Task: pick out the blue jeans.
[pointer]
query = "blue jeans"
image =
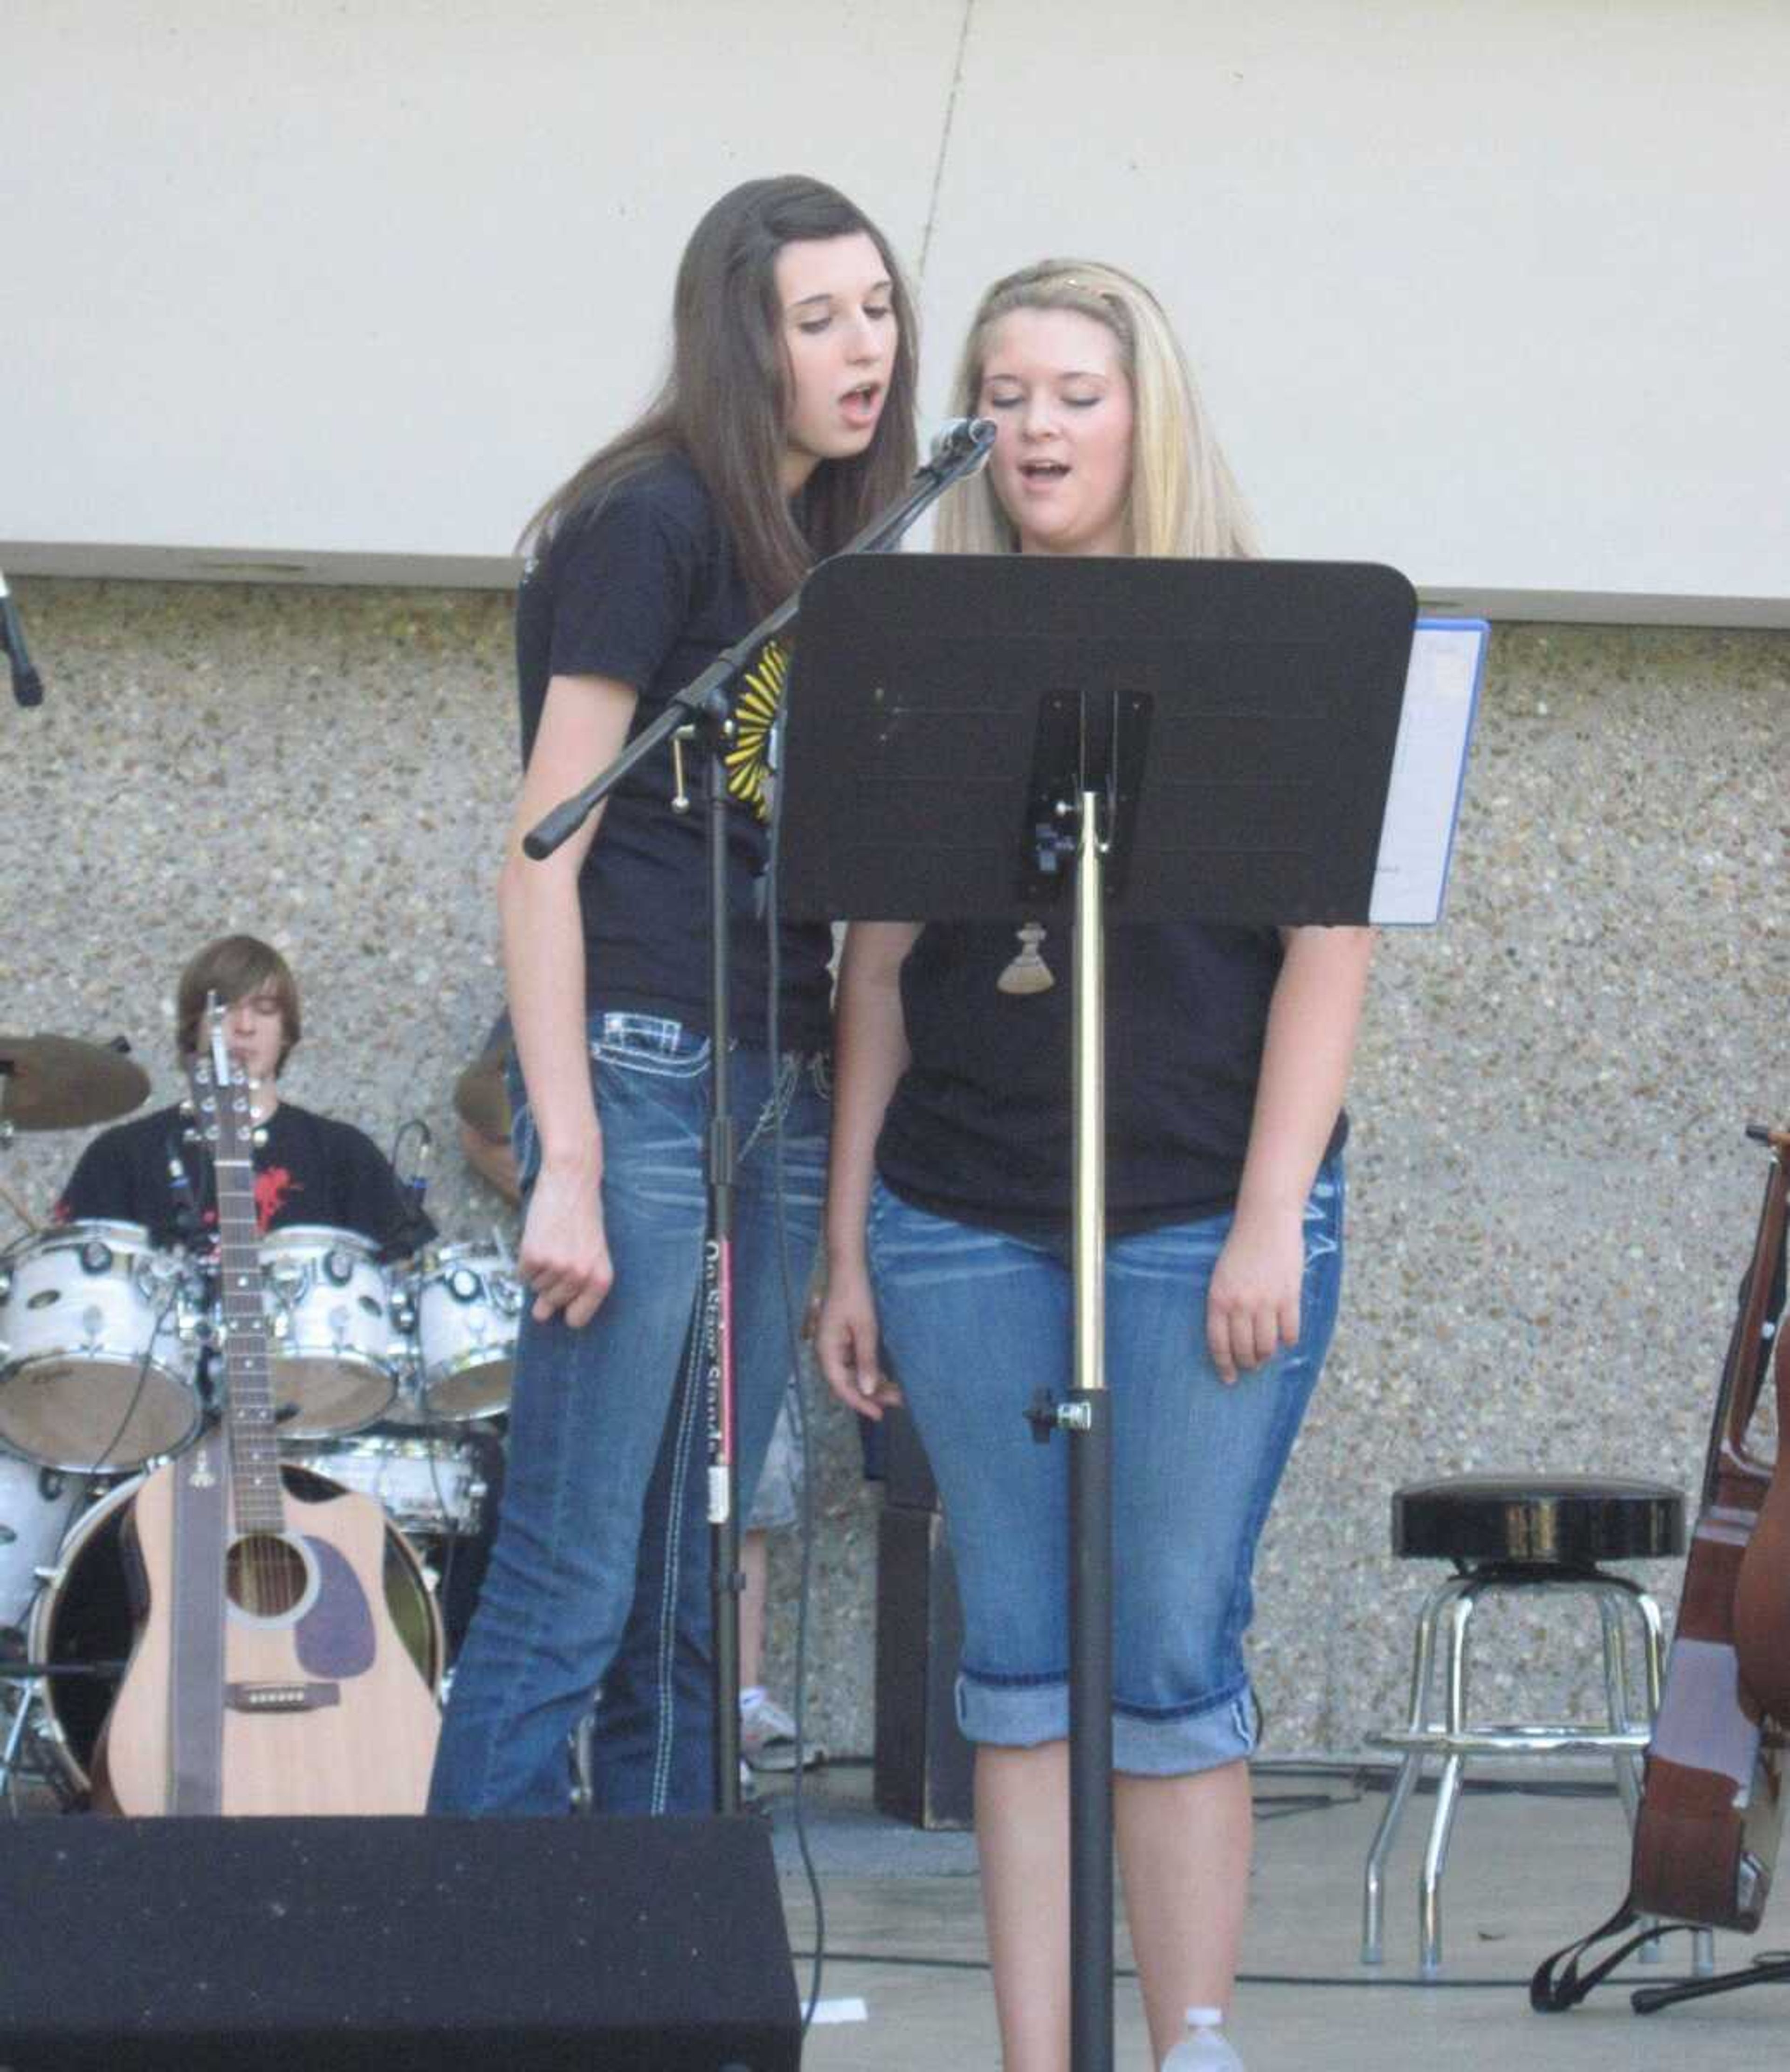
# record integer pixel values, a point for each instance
(974, 1322)
(600, 1571)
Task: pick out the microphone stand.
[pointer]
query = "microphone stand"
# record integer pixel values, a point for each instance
(27, 685)
(706, 703)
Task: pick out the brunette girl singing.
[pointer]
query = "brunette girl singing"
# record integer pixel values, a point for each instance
(785, 424)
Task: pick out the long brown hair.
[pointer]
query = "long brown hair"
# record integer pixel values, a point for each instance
(726, 399)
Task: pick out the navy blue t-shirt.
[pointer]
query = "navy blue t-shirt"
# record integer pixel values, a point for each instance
(646, 590)
(980, 1128)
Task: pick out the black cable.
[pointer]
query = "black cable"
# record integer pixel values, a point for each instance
(1321, 1981)
(792, 1325)
(99, 1466)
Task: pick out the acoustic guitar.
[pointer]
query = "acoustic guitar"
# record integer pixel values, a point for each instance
(267, 1676)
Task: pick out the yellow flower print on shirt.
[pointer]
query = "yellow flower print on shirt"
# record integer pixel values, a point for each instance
(751, 777)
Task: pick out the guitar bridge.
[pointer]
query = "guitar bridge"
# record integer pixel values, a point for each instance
(293, 1697)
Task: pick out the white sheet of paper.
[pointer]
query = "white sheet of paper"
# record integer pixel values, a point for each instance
(1429, 765)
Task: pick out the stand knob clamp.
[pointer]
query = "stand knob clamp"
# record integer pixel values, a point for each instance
(1047, 1417)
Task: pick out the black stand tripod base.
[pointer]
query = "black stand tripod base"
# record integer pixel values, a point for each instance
(1771, 1968)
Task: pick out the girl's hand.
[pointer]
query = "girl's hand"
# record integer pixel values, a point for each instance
(1253, 1306)
(565, 1256)
(846, 1344)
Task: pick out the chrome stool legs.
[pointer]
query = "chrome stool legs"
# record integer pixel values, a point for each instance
(1439, 1724)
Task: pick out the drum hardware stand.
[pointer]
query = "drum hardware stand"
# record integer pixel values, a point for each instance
(27, 1698)
(1224, 756)
(25, 1730)
(1770, 1967)
(706, 706)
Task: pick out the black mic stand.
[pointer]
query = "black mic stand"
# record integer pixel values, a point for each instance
(27, 686)
(706, 706)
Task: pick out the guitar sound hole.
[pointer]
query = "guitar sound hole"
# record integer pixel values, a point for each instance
(264, 1576)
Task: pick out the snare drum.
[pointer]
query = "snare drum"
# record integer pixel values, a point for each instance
(468, 1305)
(98, 1358)
(336, 1351)
(430, 1488)
(84, 1616)
(36, 1506)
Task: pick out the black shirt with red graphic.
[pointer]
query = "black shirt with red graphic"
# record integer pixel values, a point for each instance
(308, 1168)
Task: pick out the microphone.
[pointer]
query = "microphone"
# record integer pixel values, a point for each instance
(416, 1184)
(27, 685)
(963, 445)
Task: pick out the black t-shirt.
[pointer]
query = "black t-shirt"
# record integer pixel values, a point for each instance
(980, 1128)
(646, 590)
(310, 1169)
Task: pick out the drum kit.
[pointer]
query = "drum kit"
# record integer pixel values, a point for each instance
(384, 1375)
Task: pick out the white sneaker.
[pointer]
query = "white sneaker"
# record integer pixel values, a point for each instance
(767, 1735)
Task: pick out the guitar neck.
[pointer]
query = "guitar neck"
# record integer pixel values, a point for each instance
(248, 1379)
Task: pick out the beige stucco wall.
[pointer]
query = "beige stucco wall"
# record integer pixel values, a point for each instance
(1478, 290)
(1551, 1198)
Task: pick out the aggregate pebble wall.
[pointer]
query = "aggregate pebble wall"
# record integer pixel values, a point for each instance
(1550, 1195)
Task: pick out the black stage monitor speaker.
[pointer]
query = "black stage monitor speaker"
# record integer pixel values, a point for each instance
(394, 1946)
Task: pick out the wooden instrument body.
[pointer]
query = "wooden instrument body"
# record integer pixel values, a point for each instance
(1712, 1808)
(1706, 1841)
(1762, 1588)
(320, 1709)
(268, 1676)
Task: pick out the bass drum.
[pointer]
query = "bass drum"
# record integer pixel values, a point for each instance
(429, 1489)
(36, 1505)
(85, 1616)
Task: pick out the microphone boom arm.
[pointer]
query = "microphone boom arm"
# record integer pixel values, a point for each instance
(958, 451)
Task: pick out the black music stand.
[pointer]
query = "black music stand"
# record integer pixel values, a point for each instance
(974, 737)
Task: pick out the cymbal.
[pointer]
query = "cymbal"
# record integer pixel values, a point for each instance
(480, 1099)
(60, 1082)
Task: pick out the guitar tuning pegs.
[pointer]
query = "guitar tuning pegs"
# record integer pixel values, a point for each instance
(259, 1139)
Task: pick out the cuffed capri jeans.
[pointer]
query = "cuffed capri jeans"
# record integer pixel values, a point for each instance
(973, 1323)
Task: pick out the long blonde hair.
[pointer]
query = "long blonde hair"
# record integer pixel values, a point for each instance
(1184, 499)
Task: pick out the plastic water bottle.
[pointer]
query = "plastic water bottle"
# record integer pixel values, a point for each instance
(1203, 2048)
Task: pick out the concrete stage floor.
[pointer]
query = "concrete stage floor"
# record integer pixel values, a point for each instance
(1529, 1870)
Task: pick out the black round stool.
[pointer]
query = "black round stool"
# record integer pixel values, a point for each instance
(1548, 1533)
